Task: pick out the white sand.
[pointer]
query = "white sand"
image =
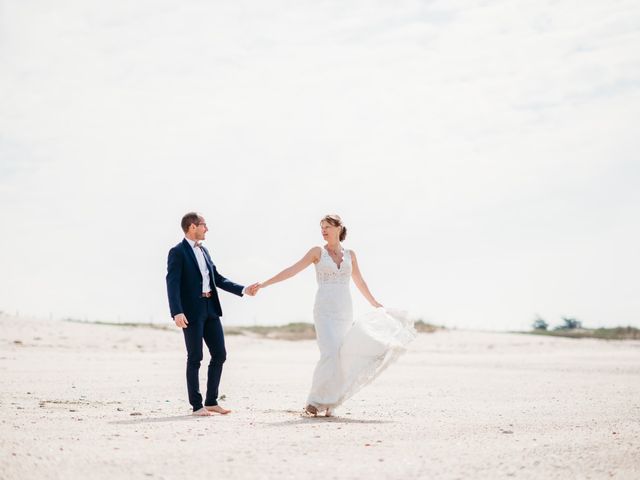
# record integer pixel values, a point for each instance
(457, 405)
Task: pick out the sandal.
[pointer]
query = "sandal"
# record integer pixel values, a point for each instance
(311, 410)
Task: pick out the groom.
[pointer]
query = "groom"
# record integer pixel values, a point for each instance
(192, 279)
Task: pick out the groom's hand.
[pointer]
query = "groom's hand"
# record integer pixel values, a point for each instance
(181, 320)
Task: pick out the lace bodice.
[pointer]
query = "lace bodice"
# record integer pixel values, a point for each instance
(328, 273)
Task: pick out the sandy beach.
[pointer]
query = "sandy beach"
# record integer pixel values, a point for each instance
(102, 402)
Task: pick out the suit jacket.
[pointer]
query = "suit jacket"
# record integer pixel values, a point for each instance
(184, 282)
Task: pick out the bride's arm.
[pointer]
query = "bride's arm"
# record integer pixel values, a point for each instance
(359, 281)
(311, 256)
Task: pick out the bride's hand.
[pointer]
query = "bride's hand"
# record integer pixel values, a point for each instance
(377, 305)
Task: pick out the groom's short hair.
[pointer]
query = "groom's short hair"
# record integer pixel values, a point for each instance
(188, 219)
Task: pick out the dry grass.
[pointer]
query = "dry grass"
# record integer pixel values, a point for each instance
(154, 326)
(291, 331)
(423, 327)
(616, 333)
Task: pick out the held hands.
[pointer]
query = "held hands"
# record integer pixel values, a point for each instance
(252, 289)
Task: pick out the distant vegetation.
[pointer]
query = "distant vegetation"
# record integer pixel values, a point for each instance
(155, 326)
(302, 331)
(572, 327)
(423, 327)
(291, 331)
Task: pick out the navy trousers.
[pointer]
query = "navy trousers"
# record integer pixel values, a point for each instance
(209, 329)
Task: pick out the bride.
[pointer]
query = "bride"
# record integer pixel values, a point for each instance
(351, 353)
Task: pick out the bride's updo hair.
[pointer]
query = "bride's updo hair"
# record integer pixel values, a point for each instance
(336, 221)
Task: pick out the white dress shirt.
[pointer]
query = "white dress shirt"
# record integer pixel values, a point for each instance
(204, 270)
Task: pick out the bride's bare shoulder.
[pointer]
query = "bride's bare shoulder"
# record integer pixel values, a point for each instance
(315, 253)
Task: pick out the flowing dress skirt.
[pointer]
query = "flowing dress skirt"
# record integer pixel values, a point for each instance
(352, 354)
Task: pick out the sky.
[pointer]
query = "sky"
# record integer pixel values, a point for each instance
(482, 154)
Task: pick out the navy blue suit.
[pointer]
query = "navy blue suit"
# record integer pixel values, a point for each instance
(184, 288)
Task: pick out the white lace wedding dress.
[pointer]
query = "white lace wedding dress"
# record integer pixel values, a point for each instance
(352, 353)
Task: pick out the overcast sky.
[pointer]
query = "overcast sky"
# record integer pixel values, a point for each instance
(484, 155)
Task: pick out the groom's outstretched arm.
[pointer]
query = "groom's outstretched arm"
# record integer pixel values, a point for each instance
(174, 273)
(226, 284)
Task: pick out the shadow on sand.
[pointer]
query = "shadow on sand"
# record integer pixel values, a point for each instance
(137, 421)
(303, 419)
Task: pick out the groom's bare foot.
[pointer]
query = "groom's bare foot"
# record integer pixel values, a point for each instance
(203, 412)
(217, 409)
(311, 410)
